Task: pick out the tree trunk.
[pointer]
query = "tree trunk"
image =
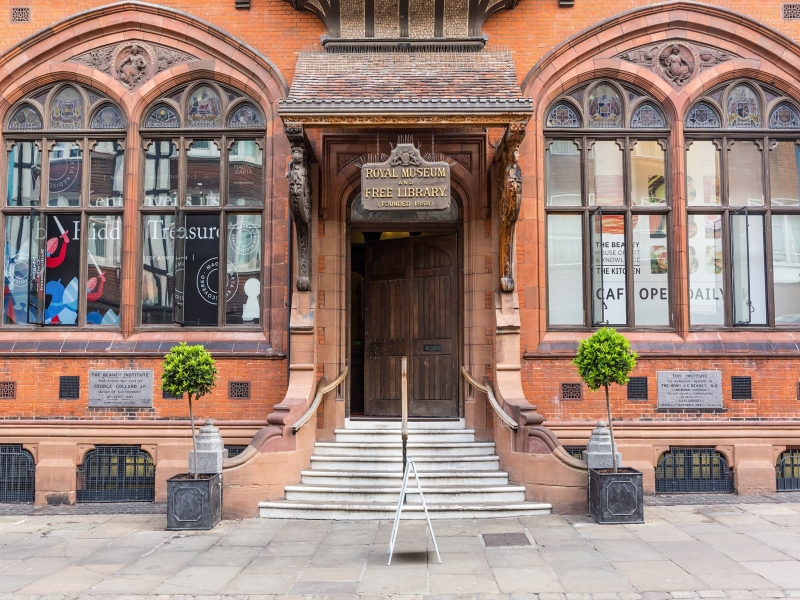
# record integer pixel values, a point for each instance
(611, 429)
(194, 439)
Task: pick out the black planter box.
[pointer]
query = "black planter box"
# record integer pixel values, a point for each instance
(616, 497)
(193, 503)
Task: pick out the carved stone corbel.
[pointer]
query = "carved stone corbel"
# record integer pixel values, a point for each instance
(300, 202)
(510, 200)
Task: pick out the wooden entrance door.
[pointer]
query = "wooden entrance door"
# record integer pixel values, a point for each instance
(412, 307)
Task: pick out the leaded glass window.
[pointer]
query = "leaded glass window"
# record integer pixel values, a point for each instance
(162, 117)
(784, 116)
(604, 108)
(702, 116)
(25, 118)
(203, 108)
(647, 116)
(563, 115)
(744, 110)
(245, 115)
(66, 109)
(107, 116)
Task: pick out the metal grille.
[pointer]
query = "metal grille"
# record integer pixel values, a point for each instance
(239, 390)
(741, 388)
(8, 389)
(637, 388)
(788, 471)
(20, 14)
(69, 387)
(791, 11)
(167, 396)
(17, 474)
(693, 470)
(242, 4)
(117, 474)
(505, 540)
(571, 391)
(234, 450)
(575, 451)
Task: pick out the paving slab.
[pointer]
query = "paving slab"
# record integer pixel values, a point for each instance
(516, 580)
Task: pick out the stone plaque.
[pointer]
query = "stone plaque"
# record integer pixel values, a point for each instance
(406, 181)
(121, 389)
(690, 389)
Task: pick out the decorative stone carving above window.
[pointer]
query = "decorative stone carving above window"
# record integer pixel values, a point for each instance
(677, 61)
(428, 20)
(133, 63)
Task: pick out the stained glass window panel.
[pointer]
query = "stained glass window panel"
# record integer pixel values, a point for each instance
(66, 110)
(107, 117)
(648, 180)
(703, 174)
(605, 107)
(784, 167)
(204, 108)
(744, 110)
(162, 117)
(565, 269)
(563, 173)
(563, 116)
(26, 118)
(24, 174)
(66, 175)
(784, 117)
(107, 174)
(605, 174)
(245, 115)
(245, 174)
(647, 116)
(702, 116)
(745, 184)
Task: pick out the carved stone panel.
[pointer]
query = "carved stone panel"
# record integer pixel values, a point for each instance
(677, 61)
(132, 63)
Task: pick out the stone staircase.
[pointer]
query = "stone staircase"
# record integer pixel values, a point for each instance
(359, 476)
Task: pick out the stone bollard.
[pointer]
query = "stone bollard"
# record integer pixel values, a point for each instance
(598, 451)
(210, 450)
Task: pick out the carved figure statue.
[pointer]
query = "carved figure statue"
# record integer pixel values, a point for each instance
(132, 69)
(676, 67)
(510, 202)
(300, 203)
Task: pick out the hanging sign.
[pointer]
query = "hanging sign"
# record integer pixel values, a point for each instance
(406, 181)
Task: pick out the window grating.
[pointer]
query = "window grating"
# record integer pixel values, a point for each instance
(571, 391)
(788, 471)
(242, 4)
(20, 14)
(575, 451)
(685, 470)
(637, 388)
(117, 474)
(17, 474)
(8, 389)
(239, 390)
(741, 388)
(505, 540)
(791, 11)
(167, 396)
(234, 450)
(69, 387)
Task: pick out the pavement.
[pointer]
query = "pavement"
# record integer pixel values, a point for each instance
(744, 550)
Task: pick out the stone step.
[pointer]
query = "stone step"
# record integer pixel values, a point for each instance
(393, 449)
(394, 478)
(412, 425)
(360, 436)
(433, 494)
(284, 509)
(425, 463)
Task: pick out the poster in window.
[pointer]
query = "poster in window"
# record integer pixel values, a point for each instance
(609, 292)
(103, 282)
(63, 262)
(706, 288)
(202, 270)
(22, 270)
(650, 270)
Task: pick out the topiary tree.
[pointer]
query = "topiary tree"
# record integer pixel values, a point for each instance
(189, 370)
(605, 358)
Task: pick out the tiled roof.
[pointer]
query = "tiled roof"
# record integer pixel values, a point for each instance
(404, 83)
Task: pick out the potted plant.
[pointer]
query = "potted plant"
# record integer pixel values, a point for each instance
(194, 500)
(616, 494)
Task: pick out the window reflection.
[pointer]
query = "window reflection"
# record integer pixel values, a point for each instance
(107, 174)
(605, 174)
(648, 181)
(784, 165)
(565, 269)
(24, 174)
(745, 183)
(245, 174)
(203, 174)
(161, 174)
(158, 268)
(103, 283)
(702, 174)
(244, 269)
(66, 173)
(786, 268)
(563, 170)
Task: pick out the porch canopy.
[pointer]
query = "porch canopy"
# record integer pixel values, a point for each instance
(435, 88)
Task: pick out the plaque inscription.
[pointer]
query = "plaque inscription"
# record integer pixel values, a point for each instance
(406, 181)
(690, 389)
(121, 389)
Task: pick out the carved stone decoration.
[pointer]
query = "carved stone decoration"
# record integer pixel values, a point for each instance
(510, 200)
(677, 61)
(133, 63)
(300, 202)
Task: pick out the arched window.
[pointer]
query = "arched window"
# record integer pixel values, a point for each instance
(606, 190)
(743, 198)
(63, 209)
(202, 209)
